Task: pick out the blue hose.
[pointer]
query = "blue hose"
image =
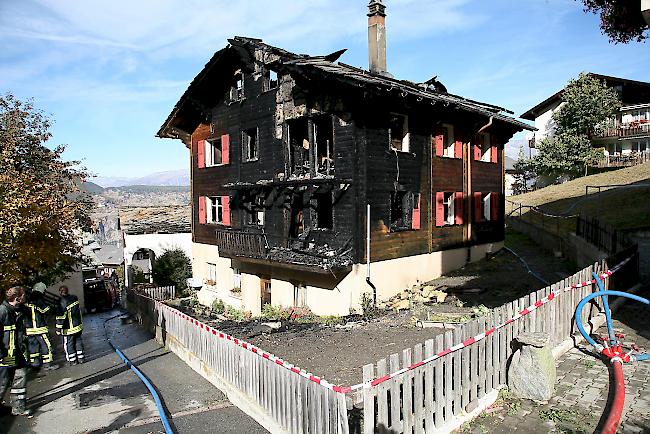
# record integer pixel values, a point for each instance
(608, 312)
(603, 293)
(156, 397)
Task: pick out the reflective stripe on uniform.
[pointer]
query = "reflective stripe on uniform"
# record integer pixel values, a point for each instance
(16, 391)
(73, 330)
(37, 331)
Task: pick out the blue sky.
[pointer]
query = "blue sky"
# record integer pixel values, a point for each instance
(109, 72)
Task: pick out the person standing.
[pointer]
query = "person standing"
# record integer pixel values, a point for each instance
(13, 350)
(69, 323)
(40, 348)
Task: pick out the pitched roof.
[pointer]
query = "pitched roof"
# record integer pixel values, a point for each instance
(193, 101)
(156, 219)
(542, 107)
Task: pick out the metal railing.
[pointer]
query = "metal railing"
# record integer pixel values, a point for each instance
(240, 243)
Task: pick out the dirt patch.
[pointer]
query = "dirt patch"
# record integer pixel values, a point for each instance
(338, 353)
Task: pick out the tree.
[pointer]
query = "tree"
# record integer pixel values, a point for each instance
(523, 172)
(42, 212)
(173, 267)
(587, 103)
(621, 20)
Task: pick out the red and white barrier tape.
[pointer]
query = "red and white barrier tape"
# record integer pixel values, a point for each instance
(377, 381)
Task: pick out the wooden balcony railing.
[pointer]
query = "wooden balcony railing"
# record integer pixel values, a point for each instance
(633, 129)
(241, 244)
(625, 160)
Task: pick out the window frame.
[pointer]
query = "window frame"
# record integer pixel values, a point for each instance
(211, 272)
(485, 145)
(268, 79)
(448, 149)
(237, 89)
(210, 144)
(406, 135)
(245, 144)
(449, 210)
(215, 205)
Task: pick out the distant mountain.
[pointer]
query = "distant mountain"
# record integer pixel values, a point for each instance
(171, 177)
(91, 187)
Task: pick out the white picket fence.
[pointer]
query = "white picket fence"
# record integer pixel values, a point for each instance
(296, 404)
(426, 398)
(159, 293)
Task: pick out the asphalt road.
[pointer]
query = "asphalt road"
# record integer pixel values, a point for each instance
(103, 395)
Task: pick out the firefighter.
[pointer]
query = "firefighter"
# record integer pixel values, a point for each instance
(40, 348)
(13, 350)
(69, 323)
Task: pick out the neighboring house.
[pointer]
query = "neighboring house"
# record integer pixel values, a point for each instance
(104, 258)
(148, 232)
(288, 150)
(625, 138)
(510, 178)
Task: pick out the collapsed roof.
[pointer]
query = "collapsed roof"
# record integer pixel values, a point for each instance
(210, 85)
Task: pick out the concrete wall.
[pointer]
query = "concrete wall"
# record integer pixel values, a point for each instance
(390, 277)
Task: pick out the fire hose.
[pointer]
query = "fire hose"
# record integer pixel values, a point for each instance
(612, 350)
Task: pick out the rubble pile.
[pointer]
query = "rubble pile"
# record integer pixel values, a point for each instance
(418, 294)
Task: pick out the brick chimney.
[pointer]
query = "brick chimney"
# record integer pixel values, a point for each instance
(377, 36)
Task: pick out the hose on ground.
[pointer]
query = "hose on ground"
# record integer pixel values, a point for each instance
(143, 378)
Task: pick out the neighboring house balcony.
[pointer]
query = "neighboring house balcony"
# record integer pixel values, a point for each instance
(625, 159)
(634, 129)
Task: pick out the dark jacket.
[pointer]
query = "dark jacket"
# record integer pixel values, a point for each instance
(37, 308)
(12, 330)
(69, 320)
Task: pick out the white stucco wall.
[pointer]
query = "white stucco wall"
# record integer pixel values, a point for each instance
(390, 277)
(544, 122)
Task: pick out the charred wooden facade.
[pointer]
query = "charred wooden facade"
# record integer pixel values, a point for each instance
(287, 150)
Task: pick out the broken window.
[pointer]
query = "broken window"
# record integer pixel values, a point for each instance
(402, 207)
(298, 139)
(324, 211)
(237, 90)
(213, 154)
(297, 225)
(324, 144)
(270, 79)
(254, 212)
(299, 295)
(398, 133)
(249, 144)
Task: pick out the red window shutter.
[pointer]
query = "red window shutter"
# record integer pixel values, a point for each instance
(458, 148)
(478, 206)
(493, 149)
(415, 221)
(495, 203)
(225, 149)
(202, 214)
(225, 203)
(458, 207)
(201, 151)
(440, 208)
(439, 139)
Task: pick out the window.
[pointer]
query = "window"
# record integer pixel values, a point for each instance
(237, 90)
(484, 148)
(448, 141)
(324, 211)
(249, 144)
(615, 148)
(270, 79)
(213, 155)
(214, 209)
(487, 206)
(640, 146)
(236, 278)
(324, 144)
(404, 211)
(298, 142)
(212, 273)
(299, 295)
(449, 208)
(265, 291)
(254, 212)
(213, 152)
(398, 133)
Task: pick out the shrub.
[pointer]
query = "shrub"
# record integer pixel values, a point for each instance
(173, 267)
(368, 306)
(217, 306)
(235, 314)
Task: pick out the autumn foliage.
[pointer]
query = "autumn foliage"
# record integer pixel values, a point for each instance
(42, 212)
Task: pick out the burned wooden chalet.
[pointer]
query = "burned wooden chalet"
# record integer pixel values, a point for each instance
(288, 150)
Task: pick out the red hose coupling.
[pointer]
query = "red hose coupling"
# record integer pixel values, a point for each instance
(616, 351)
